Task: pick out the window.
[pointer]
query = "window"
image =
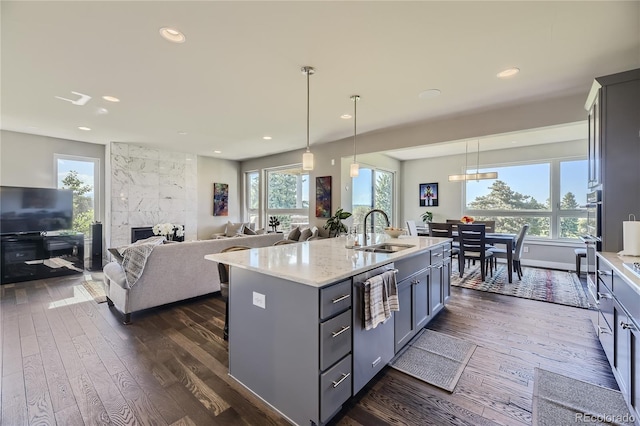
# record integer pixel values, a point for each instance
(252, 197)
(80, 174)
(546, 195)
(288, 196)
(373, 189)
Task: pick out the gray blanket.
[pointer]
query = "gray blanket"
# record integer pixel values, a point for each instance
(135, 257)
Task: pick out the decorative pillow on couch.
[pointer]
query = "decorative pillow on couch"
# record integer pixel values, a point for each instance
(305, 234)
(233, 229)
(294, 235)
(248, 231)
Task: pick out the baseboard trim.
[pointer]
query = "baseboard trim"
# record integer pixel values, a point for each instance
(544, 264)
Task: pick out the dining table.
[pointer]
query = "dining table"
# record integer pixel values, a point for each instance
(509, 240)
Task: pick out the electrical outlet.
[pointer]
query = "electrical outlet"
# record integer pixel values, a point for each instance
(259, 300)
(526, 249)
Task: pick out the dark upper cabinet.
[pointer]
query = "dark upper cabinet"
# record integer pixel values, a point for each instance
(613, 107)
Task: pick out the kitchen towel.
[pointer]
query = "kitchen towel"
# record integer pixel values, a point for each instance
(631, 237)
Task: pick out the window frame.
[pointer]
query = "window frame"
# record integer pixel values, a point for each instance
(554, 215)
(284, 212)
(96, 179)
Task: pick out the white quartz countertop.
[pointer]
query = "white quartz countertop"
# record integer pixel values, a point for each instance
(320, 262)
(618, 261)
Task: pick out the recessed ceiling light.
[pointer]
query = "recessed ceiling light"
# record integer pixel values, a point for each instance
(85, 128)
(508, 72)
(110, 98)
(345, 116)
(217, 152)
(429, 94)
(266, 138)
(182, 132)
(172, 35)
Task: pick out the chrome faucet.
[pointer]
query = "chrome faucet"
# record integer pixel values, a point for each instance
(366, 216)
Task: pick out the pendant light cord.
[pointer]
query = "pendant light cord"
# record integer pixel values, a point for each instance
(355, 121)
(308, 72)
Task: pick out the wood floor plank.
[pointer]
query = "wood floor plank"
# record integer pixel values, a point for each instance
(89, 404)
(39, 407)
(14, 400)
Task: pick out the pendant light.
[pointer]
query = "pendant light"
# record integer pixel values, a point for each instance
(472, 176)
(307, 157)
(354, 170)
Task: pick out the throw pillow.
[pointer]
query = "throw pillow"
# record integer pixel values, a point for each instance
(305, 234)
(117, 256)
(323, 233)
(248, 231)
(261, 231)
(233, 229)
(294, 234)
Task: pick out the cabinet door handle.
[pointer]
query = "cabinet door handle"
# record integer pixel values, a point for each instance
(342, 379)
(376, 362)
(414, 281)
(626, 325)
(605, 273)
(342, 330)
(604, 295)
(341, 298)
(602, 330)
(440, 267)
(437, 254)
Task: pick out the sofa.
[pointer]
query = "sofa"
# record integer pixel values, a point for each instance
(173, 272)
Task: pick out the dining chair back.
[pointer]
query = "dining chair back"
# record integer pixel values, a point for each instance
(411, 226)
(516, 254)
(472, 238)
(454, 224)
(223, 272)
(444, 230)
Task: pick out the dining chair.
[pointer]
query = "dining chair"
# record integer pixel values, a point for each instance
(223, 271)
(411, 226)
(489, 225)
(454, 224)
(517, 251)
(473, 246)
(444, 230)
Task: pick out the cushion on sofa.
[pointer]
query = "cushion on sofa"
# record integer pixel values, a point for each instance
(294, 234)
(233, 229)
(305, 234)
(248, 231)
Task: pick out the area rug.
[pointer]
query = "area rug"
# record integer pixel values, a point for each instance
(560, 400)
(547, 285)
(435, 358)
(95, 289)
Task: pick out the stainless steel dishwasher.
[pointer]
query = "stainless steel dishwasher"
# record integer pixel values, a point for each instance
(372, 349)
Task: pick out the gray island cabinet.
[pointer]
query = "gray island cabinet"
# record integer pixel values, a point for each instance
(296, 333)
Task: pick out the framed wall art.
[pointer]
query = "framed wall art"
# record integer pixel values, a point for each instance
(429, 195)
(323, 196)
(220, 199)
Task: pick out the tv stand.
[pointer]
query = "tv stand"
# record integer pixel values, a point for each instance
(34, 256)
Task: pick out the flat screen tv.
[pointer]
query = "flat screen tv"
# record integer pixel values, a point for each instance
(27, 210)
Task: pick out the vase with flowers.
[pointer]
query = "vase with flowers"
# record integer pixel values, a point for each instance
(169, 230)
(467, 219)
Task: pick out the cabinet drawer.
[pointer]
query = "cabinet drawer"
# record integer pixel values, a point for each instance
(409, 266)
(437, 254)
(446, 251)
(335, 339)
(335, 299)
(627, 296)
(605, 299)
(605, 334)
(335, 388)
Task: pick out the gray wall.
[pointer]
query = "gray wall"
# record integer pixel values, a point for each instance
(210, 171)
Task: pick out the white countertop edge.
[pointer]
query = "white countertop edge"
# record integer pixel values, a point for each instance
(376, 259)
(617, 261)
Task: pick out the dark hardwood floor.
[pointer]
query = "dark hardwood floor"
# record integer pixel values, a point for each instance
(67, 360)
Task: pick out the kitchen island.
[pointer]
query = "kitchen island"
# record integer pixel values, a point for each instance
(296, 333)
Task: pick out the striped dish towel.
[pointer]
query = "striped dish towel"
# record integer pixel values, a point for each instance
(380, 299)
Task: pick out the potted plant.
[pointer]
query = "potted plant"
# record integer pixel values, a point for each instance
(274, 222)
(334, 223)
(427, 217)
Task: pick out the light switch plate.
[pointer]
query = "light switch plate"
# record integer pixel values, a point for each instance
(259, 300)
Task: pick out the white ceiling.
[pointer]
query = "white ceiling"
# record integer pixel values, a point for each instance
(237, 77)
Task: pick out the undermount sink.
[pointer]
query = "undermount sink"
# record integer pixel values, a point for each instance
(385, 248)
